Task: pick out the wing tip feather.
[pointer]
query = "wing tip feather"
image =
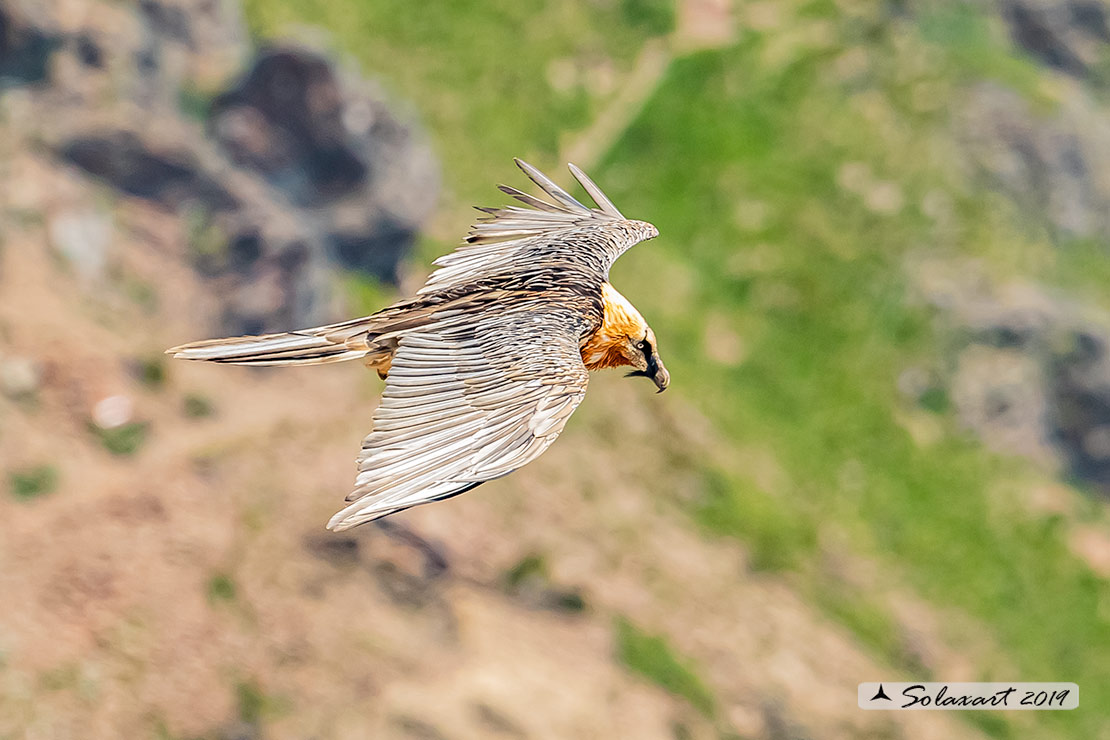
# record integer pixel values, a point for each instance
(604, 203)
(550, 187)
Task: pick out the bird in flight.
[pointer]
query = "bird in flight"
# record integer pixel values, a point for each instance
(485, 364)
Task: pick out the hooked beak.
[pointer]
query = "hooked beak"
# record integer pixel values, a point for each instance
(656, 371)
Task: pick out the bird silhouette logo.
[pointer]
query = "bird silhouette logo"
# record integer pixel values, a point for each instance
(880, 694)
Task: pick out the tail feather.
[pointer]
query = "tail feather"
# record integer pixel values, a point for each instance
(309, 347)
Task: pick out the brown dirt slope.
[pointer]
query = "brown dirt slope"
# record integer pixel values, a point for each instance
(189, 589)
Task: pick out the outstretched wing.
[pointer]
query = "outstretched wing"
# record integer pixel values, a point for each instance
(467, 400)
(555, 239)
(560, 230)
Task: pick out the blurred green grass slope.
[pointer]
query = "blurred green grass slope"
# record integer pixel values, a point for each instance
(815, 291)
(789, 175)
(492, 80)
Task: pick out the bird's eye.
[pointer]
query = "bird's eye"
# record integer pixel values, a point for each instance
(641, 345)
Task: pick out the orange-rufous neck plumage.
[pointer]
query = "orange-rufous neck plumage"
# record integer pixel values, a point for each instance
(608, 346)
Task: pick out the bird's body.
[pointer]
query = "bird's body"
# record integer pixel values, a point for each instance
(484, 365)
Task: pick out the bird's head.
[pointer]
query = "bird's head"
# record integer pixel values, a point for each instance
(642, 352)
(624, 339)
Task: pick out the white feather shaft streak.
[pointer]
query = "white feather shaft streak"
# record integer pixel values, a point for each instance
(289, 361)
(532, 200)
(550, 187)
(381, 440)
(463, 403)
(275, 349)
(430, 444)
(436, 404)
(595, 192)
(239, 346)
(408, 477)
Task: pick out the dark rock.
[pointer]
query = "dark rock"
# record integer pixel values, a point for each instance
(283, 288)
(89, 52)
(295, 255)
(245, 323)
(246, 249)
(167, 20)
(268, 261)
(1091, 16)
(1079, 379)
(337, 550)
(1066, 35)
(24, 51)
(284, 120)
(1032, 30)
(434, 562)
(333, 149)
(171, 178)
(410, 570)
(403, 587)
(373, 251)
(1005, 337)
(293, 168)
(147, 61)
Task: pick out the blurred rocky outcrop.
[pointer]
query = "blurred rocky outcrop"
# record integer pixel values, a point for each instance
(1055, 165)
(1067, 35)
(1029, 371)
(278, 162)
(1053, 160)
(24, 51)
(333, 149)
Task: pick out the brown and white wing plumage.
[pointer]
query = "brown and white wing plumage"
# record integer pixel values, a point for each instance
(467, 401)
(484, 364)
(561, 231)
(317, 346)
(472, 395)
(556, 239)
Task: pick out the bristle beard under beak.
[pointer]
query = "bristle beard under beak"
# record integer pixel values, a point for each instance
(656, 371)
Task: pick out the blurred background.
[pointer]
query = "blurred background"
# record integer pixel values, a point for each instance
(881, 289)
